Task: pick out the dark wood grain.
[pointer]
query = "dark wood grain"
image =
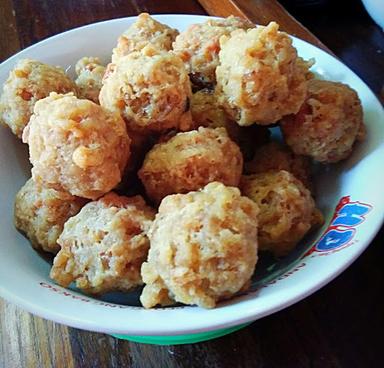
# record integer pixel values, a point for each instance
(28, 341)
(51, 16)
(340, 326)
(9, 40)
(346, 28)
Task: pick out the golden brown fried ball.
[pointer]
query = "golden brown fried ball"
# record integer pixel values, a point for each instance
(40, 213)
(207, 112)
(275, 157)
(203, 247)
(328, 123)
(287, 210)
(145, 30)
(150, 89)
(90, 72)
(104, 245)
(76, 146)
(260, 77)
(199, 46)
(27, 83)
(190, 160)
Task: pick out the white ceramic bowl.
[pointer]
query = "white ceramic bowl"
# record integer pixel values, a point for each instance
(355, 186)
(375, 8)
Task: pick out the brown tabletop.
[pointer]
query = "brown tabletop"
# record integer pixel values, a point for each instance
(339, 326)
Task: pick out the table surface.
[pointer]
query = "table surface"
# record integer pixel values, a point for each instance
(339, 326)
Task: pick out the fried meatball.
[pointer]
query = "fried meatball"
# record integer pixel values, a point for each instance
(27, 83)
(190, 160)
(328, 123)
(150, 89)
(90, 72)
(145, 30)
(104, 245)
(207, 112)
(203, 247)
(287, 210)
(275, 157)
(40, 213)
(199, 46)
(76, 146)
(268, 79)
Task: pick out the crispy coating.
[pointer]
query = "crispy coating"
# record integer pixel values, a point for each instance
(328, 123)
(145, 30)
(90, 72)
(275, 157)
(150, 89)
(76, 146)
(103, 247)
(27, 83)
(207, 112)
(40, 213)
(287, 210)
(203, 247)
(268, 79)
(190, 160)
(199, 46)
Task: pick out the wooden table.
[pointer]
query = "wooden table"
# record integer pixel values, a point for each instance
(340, 326)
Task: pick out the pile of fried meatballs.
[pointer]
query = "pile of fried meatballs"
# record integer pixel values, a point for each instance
(159, 169)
